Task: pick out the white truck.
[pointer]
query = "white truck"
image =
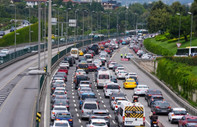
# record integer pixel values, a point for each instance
(130, 114)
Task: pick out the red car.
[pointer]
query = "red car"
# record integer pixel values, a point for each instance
(63, 69)
(187, 120)
(92, 67)
(108, 50)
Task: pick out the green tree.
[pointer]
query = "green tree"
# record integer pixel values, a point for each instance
(176, 7)
(194, 12)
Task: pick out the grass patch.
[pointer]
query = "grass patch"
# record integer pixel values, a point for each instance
(194, 70)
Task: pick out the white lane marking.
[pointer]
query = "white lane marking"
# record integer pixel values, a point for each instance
(99, 94)
(100, 97)
(73, 93)
(75, 105)
(107, 110)
(104, 106)
(81, 125)
(73, 96)
(97, 90)
(147, 122)
(110, 115)
(113, 122)
(76, 109)
(102, 102)
(79, 121)
(72, 90)
(77, 114)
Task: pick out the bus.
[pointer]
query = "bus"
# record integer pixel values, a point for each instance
(188, 51)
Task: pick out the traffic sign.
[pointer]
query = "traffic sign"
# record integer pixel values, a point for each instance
(38, 116)
(178, 45)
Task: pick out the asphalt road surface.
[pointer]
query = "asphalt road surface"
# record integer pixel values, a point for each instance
(104, 102)
(18, 92)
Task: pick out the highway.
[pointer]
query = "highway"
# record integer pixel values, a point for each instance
(104, 102)
(18, 92)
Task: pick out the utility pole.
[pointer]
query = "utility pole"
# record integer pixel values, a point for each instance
(15, 33)
(117, 23)
(29, 27)
(83, 27)
(45, 17)
(48, 91)
(58, 25)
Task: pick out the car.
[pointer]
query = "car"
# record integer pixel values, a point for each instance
(119, 69)
(64, 64)
(57, 93)
(80, 72)
(2, 33)
(61, 123)
(80, 78)
(154, 98)
(70, 59)
(6, 51)
(129, 56)
(140, 89)
(124, 43)
(65, 116)
(121, 74)
(58, 109)
(111, 64)
(114, 101)
(129, 83)
(83, 89)
(57, 83)
(188, 120)
(89, 58)
(60, 102)
(109, 88)
(81, 58)
(59, 77)
(12, 29)
(95, 48)
(91, 67)
(117, 65)
(81, 52)
(176, 114)
(118, 103)
(63, 69)
(96, 123)
(87, 107)
(100, 114)
(160, 107)
(85, 83)
(60, 98)
(86, 95)
(116, 94)
(151, 92)
(130, 74)
(103, 57)
(83, 66)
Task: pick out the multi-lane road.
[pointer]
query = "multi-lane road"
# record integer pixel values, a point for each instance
(104, 102)
(18, 92)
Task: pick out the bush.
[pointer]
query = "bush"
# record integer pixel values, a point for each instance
(160, 38)
(179, 76)
(23, 36)
(157, 49)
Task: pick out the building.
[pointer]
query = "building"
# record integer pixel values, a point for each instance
(89, 1)
(111, 4)
(33, 2)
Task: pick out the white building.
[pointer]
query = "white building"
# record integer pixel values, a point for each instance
(89, 1)
(33, 2)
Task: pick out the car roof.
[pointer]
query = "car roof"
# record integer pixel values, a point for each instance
(100, 110)
(59, 106)
(61, 121)
(88, 93)
(98, 120)
(178, 109)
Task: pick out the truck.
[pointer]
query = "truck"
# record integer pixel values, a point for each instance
(131, 114)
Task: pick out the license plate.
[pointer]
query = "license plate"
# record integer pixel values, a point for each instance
(129, 122)
(163, 110)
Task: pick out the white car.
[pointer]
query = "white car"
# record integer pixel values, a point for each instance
(80, 72)
(88, 58)
(118, 103)
(97, 123)
(5, 51)
(140, 89)
(85, 83)
(64, 64)
(111, 87)
(129, 56)
(121, 74)
(97, 62)
(176, 114)
(118, 69)
(61, 123)
(58, 109)
(111, 65)
(114, 102)
(130, 74)
(102, 57)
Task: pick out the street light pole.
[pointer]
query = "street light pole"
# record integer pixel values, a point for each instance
(179, 26)
(83, 27)
(191, 32)
(58, 42)
(29, 27)
(91, 26)
(117, 24)
(15, 33)
(67, 23)
(48, 91)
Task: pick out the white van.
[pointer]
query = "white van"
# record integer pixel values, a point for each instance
(74, 52)
(103, 77)
(131, 114)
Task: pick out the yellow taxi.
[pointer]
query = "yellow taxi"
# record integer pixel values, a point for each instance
(130, 83)
(80, 52)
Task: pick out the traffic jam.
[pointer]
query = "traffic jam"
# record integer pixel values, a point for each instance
(88, 76)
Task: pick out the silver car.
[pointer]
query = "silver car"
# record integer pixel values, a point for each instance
(87, 108)
(58, 109)
(140, 89)
(97, 123)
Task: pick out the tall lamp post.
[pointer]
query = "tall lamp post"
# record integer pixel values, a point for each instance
(117, 24)
(91, 26)
(179, 26)
(76, 23)
(67, 24)
(191, 31)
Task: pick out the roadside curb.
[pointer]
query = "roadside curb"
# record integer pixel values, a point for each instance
(175, 97)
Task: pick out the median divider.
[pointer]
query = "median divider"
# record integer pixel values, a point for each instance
(182, 102)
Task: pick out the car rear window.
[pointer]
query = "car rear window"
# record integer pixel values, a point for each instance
(90, 106)
(83, 66)
(113, 87)
(155, 92)
(180, 112)
(59, 93)
(98, 124)
(60, 109)
(101, 113)
(130, 80)
(162, 104)
(87, 96)
(192, 120)
(61, 124)
(63, 115)
(103, 76)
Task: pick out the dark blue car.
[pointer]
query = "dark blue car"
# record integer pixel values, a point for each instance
(65, 116)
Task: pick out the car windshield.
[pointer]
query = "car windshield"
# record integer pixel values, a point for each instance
(90, 106)
(142, 87)
(103, 76)
(192, 120)
(87, 96)
(98, 124)
(100, 113)
(155, 92)
(57, 108)
(88, 57)
(87, 90)
(63, 115)
(60, 102)
(180, 112)
(130, 80)
(113, 87)
(74, 52)
(163, 104)
(83, 66)
(59, 93)
(61, 124)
